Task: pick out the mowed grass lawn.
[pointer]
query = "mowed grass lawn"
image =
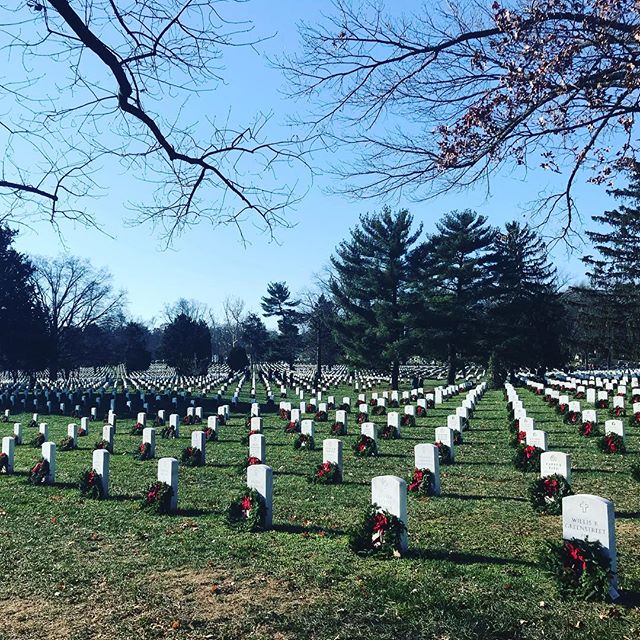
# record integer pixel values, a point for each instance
(76, 568)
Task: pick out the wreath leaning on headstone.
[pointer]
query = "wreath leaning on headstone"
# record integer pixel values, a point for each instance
(444, 453)
(158, 498)
(365, 447)
(588, 429)
(304, 441)
(191, 457)
(421, 482)
(326, 473)
(247, 512)
(143, 452)
(210, 434)
(545, 494)
(137, 429)
(389, 432)
(39, 473)
(90, 484)
(292, 427)
(67, 444)
(168, 432)
(527, 458)
(104, 444)
(581, 569)
(379, 533)
(612, 443)
(38, 441)
(338, 429)
(408, 420)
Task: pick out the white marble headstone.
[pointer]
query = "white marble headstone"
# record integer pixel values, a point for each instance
(555, 462)
(445, 435)
(537, 438)
(390, 494)
(426, 457)
(332, 451)
(8, 447)
(369, 429)
(168, 473)
(586, 516)
(614, 426)
(149, 435)
(257, 447)
(260, 478)
(49, 454)
(100, 463)
(198, 441)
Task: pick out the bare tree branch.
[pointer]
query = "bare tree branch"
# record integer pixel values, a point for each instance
(449, 96)
(105, 83)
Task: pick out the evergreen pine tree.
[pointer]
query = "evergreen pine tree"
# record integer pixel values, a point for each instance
(186, 345)
(24, 335)
(525, 315)
(371, 285)
(278, 303)
(255, 337)
(452, 270)
(613, 297)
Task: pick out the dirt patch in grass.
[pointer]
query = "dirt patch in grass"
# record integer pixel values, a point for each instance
(185, 603)
(241, 605)
(31, 618)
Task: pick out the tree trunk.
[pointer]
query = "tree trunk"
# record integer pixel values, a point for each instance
(318, 359)
(453, 363)
(395, 374)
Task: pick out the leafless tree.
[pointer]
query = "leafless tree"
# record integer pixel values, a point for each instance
(75, 295)
(234, 314)
(90, 85)
(194, 309)
(444, 98)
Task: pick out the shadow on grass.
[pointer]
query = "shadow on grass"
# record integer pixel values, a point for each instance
(597, 471)
(632, 515)
(460, 496)
(194, 513)
(463, 558)
(291, 473)
(121, 497)
(484, 463)
(299, 529)
(219, 465)
(629, 599)
(65, 485)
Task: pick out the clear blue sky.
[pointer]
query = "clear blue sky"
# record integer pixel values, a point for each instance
(207, 263)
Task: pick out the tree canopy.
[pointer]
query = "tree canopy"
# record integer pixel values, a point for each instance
(371, 285)
(471, 87)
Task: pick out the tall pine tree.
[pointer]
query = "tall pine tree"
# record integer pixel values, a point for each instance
(613, 297)
(24, 336)
(525, 313)
(278, 303)
(453, 280)
(371, 285)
